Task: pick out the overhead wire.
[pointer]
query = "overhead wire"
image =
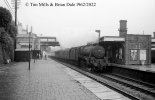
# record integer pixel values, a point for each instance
(9, 7)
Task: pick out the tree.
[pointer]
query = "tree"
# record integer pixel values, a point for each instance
(8, 36)
(12, 30)
(5, 18)
(7, 46)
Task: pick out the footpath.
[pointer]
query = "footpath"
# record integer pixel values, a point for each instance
(44, 81)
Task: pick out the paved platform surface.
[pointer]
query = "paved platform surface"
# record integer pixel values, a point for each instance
(147, 68)
(45, 81)
(101, 91)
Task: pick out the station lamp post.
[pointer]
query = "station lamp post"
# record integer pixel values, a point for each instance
(98, 31)
(29, 47)
(34, 53)
(29, 52)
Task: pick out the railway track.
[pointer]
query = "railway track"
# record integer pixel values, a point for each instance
(142, 90)
(136, 81)
(146, 87)
(130, 88)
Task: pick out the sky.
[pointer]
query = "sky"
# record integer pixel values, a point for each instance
(76, 25)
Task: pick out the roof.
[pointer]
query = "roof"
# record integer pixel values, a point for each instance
(22, 49)
(26, 35)
(112, 38)
(46, 37)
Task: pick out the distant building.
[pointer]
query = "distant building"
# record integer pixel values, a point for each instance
(20, 29)
(22, 42)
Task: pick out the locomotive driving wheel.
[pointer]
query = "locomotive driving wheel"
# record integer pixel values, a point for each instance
(82, 63)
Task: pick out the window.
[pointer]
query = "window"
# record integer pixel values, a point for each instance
(120, 53)
(142, 54)
(134, 55)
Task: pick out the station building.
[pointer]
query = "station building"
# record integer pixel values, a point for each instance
(38, 44)
(23, 40)
(127, 49)
(23, 36)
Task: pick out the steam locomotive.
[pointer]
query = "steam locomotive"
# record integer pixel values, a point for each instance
(88, 56)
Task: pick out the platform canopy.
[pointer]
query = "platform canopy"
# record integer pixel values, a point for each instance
(112, 39)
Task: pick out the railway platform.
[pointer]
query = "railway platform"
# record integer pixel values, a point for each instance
(146, 68)
(49, 80)
(145, 73)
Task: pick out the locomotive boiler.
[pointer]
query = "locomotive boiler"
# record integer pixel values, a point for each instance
(93, 56)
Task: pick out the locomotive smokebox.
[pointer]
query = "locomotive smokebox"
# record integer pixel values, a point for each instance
(123, 28)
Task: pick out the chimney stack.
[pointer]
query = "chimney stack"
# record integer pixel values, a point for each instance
(153, 34)
(123, 28)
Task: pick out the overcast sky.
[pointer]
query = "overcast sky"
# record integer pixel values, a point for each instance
(76, 25)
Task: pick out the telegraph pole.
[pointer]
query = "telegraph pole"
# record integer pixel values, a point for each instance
(33, 45)
(15, 4)
(29, 47)
(15, 12)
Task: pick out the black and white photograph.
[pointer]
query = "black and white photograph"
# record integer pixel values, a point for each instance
(77, 49)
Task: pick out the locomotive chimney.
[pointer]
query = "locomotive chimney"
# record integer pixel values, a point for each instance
(153, 34)
(123, 28)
